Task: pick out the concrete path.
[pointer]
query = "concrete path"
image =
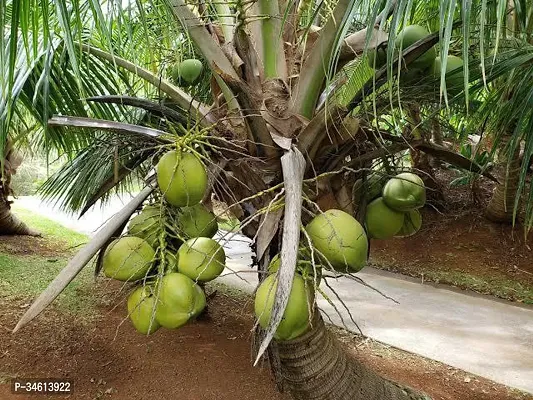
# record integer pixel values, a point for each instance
(91, 221)
(478, 334)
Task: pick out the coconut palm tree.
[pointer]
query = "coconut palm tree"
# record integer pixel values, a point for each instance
(287, 118)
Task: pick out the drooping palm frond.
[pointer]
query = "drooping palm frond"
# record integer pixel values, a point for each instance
(110, 160)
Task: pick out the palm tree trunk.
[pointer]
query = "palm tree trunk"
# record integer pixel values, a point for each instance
(501, 205)
(315, 366)
(9, 223)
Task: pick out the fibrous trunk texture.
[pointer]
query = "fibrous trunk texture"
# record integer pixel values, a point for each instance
(9, 223)
(316, 366)
(421, 161)
(501, 205)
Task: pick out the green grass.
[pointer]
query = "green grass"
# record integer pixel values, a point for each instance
(26, 276)
(494, 285)
(50, 229)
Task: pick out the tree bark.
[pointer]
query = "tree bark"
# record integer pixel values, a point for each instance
(501, 205)
(9, 223)
(315, 366)
(421, 161)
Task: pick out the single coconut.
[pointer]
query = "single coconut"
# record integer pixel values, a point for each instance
(377, 57)
(410, 35)
(340, 239)
(141, 310)
(368, 190)
(182, 178)
(128, 258)
(382, 222)
(411, 224)
(405, 192)
(303, 267)
(197, 221)
(146, 225)
(201, 259)
(454, 71)
(199, 301)
(189, 70)
(296, 317)
(175, 300)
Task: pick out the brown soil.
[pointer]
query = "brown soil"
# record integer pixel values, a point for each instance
(208, 359)
(31, 245)
(460, 239)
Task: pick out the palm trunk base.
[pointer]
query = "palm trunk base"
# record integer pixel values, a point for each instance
(501, 205)
(10, 224)
(499, 208)
(315, 366)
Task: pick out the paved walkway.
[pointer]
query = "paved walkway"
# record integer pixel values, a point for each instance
(478, 334)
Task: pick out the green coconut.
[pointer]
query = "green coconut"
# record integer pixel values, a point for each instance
(201, 259)
(382, 222)
(410, 35)
(411, 224)
(303, 267)
(146, 225)
(197, 221)
(454, 71)
(176, 300)
(189, 70)
(141, 309)
(295, 320)
(182, 178)
(128, 258)
(199, 301)
(340, 239)
(405, 192)
(377, 58)
(371, 190)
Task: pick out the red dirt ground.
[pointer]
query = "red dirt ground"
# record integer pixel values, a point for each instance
(205, 360)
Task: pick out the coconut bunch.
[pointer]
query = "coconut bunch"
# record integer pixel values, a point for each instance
(428, 64)
(168, 250)
(335, 240)
(395, 212)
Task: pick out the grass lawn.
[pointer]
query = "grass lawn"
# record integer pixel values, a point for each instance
(28, 265)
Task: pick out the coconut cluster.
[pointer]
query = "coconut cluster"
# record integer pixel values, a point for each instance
(427, 64)
(168, 249)
(395, 212)
(341, 243)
